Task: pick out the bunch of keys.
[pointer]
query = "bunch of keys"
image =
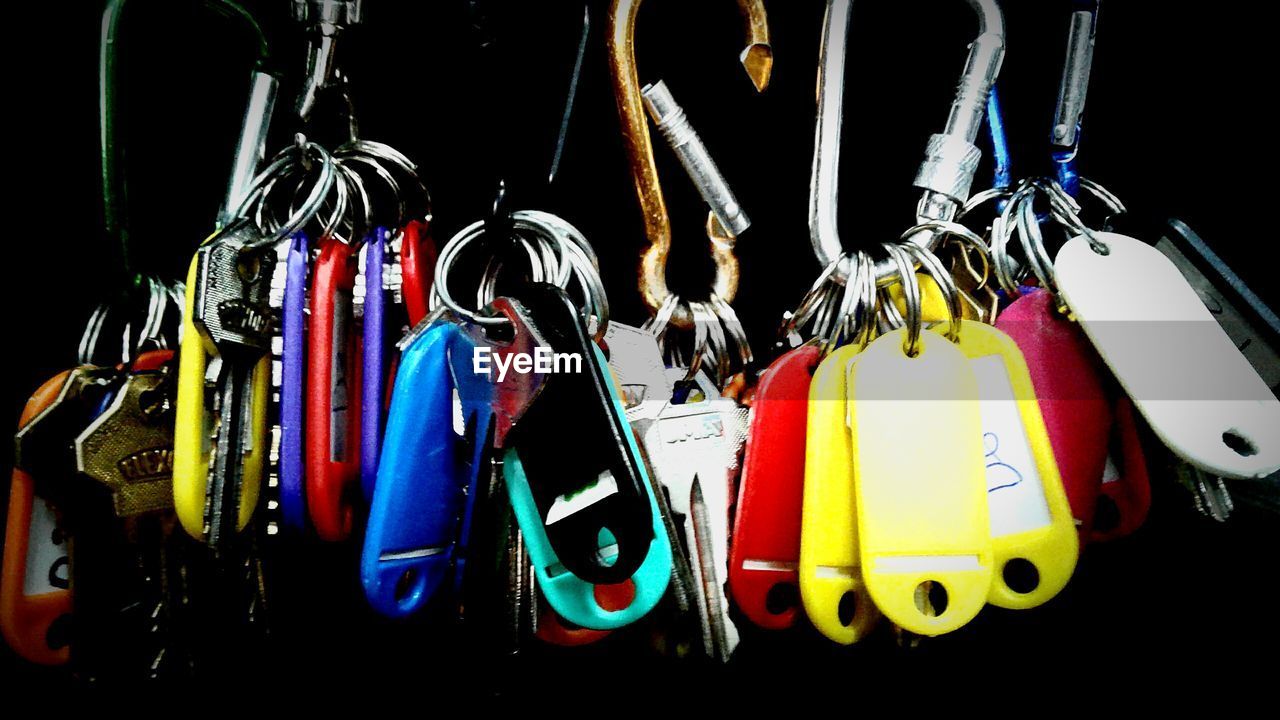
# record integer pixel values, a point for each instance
(585, 524)
(35, 585)
(346, 289)
(691, 435)
(804, 444)
(98, 450)
(102, 577)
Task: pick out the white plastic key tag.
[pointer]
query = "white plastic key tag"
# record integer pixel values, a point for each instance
(920, 482)
(1033, 534)
(1200, 395)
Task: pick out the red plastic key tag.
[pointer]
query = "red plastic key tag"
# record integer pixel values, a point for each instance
(1067, 376)
(765, 555)
(418, 266)
(555, 630)
(333, 393)
(1126, 488)
(34, 590)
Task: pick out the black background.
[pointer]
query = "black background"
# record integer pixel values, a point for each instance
(1178, 124)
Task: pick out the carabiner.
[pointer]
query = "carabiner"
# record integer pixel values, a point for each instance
(951, 158)
(253, 133)
(1072, 92)
(160, 328)
(325, 20)
(757, 60)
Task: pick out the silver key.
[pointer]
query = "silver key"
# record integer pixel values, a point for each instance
(694, 451)
(1208, 492)
(636, 360)
(232, 311)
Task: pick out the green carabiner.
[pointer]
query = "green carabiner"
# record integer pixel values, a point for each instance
(115, 196)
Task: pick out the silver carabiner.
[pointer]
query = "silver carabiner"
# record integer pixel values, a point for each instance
(951, 158)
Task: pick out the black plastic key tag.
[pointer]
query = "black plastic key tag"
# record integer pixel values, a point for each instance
(554, 410)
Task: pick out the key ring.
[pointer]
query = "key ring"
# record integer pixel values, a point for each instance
(570, 258)
(371, 150)
(857, 308)
(353, 162)
(561, 253)
(913, 320)
(309, 207)
(930, 263)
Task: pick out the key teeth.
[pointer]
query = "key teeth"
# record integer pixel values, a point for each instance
(279, 276)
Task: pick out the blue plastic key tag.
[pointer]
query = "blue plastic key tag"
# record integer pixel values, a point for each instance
(422, 501)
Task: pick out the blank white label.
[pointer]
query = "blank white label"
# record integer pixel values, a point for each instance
(1183, 371)
(1015, 494)
(568, 504)
(46, 559)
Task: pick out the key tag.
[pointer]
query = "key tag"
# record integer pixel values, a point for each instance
(35, 597)
(1125, 497)
(374, 370)
(923, 522)
(1067, 380)
(1034, 537)
(418, 262)
(1066, 373)
(427, 478)
(765, 554)
(832, 585)
(293, 369)
(195, 413)
(553, 630)
(832, 588)
(333, 393)
(628, 540)
(1199, 394)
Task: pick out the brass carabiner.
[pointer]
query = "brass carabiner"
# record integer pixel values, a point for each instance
(757, 60)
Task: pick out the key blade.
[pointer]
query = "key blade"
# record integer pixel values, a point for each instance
(682, 582)
(715, 635)
(222, 494)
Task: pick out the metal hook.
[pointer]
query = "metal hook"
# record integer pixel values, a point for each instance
(757, 60)
(1072, 91)
(325, 20)
(951, 158)
(249, 148)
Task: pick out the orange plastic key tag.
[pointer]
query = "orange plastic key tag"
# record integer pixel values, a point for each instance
(1033, 534)
(831, 586)
(923, 525)
(34, 591)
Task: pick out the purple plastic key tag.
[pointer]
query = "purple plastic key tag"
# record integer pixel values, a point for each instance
(373, 413)
(293, 363)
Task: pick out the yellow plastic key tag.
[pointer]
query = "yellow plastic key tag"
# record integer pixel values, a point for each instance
(921, 497)
(1195, 388)
(933, 303)
(194, 422)
(1033, 534)
(831, 587)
